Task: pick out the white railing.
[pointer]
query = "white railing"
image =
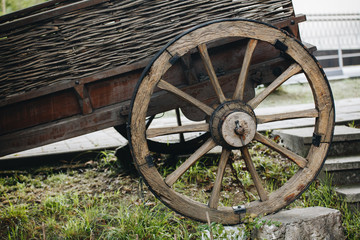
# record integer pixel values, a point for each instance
(331, 31)
(339, 32)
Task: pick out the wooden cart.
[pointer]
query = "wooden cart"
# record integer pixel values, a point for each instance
(68, 68)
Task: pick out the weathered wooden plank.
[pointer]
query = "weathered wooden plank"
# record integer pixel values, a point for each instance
(155, 132)
(240, 86)
(211, 72)
(168, 87)
(291, 71)
(60, 130)
(215, 193)
(309, 113)
(38, 111)
(300, 161)
(254, 175)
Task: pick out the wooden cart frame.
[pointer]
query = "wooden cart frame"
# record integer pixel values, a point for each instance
(209, 71)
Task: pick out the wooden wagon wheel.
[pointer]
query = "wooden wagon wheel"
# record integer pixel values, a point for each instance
(233, 123)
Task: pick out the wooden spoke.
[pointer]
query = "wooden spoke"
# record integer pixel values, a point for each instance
(170, 88)
(240, 87)
(178, 120)
(309, 113)
(206, 147)
(255, 176)
(215, 194)
(300, 161)
(155, 132)
(292, 70)
(211, 72)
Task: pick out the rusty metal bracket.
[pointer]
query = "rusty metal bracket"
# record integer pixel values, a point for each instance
(84, 99)
(280, 45)
(150, 161)
(316, 139)
(239, 209)
(174, 58)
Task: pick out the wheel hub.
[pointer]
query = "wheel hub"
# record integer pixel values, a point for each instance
(233, 124)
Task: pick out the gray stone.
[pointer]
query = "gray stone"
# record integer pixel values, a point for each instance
(302, 224)
(346, 140)
(343, 170)
(350, 193)
(342, 163)
(342, 177)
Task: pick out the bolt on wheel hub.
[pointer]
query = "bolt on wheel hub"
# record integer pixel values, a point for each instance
(233, 124)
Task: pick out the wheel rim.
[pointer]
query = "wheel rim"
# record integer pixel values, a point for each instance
(197, 38)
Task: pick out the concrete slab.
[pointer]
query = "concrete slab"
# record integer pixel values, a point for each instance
(342, 170)
(341, 133)
(350, 193)
(341, 177)
(342, 163)
(346, 140)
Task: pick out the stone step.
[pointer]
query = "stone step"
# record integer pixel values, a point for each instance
(343, 170)
(346, 140)
(351, 195)
(342, 163)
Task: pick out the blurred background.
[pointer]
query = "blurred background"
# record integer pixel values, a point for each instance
(334, 28)
(14, 5)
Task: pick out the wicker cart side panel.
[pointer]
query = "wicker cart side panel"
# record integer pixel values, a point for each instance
(108, 35)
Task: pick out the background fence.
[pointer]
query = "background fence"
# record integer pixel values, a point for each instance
(336, 36)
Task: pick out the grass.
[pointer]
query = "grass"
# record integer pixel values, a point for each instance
(354, 124)
(72, 215)
(99, 203)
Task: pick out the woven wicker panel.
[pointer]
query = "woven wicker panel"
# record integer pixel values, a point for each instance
(108, 35)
